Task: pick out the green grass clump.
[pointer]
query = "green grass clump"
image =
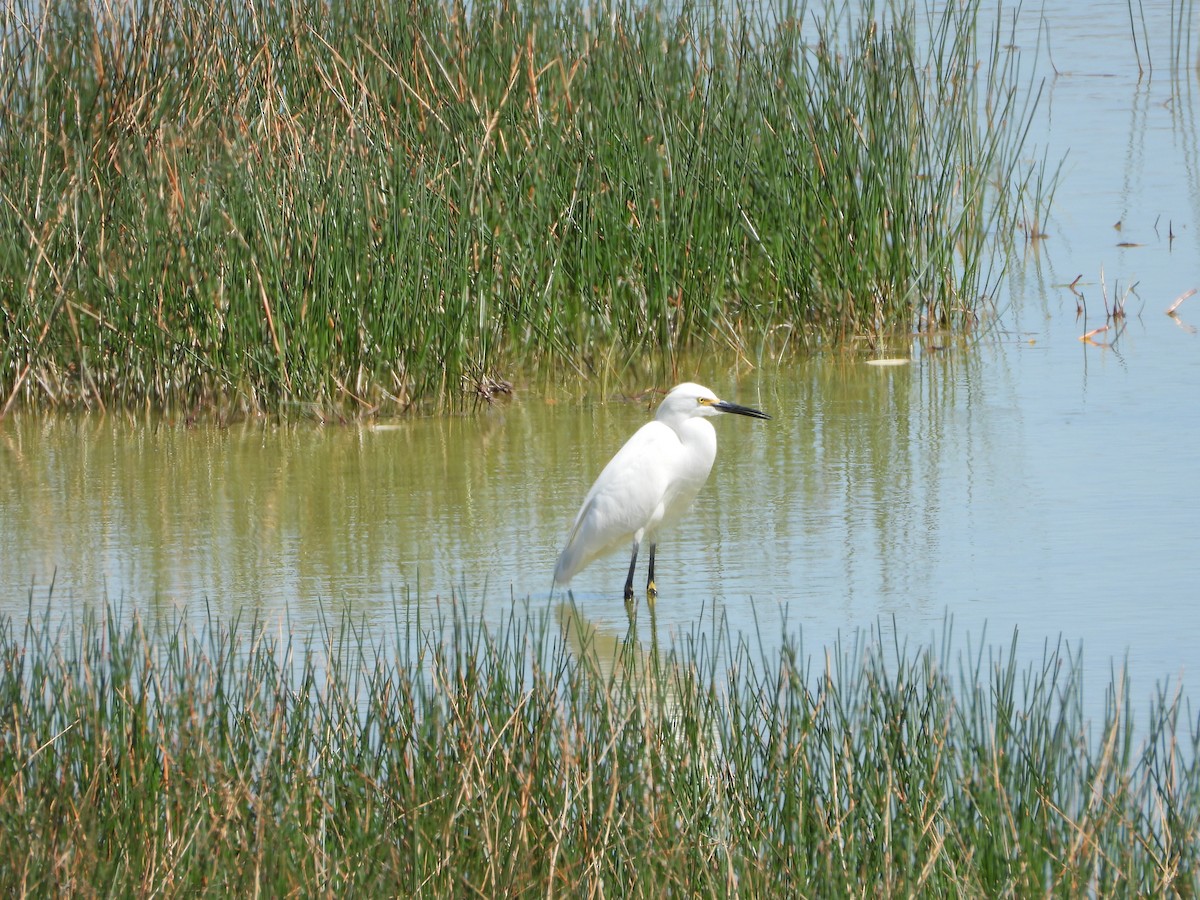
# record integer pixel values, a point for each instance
(525, 759)
(246, 205)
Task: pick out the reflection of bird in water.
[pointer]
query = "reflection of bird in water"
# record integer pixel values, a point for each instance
(602, 646)
(688, 727)
(621, 660)
(649, 484)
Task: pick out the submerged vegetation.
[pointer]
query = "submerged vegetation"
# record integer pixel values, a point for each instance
(368, 205)
(533, 757)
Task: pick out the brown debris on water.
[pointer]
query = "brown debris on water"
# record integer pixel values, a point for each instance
(489, 389)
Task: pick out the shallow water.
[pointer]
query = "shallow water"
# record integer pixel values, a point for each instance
(1029, 480)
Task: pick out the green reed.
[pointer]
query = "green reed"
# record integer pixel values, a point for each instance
(365, 205)
(533, 757)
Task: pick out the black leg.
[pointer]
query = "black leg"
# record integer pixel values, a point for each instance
(632, 566)
(651, 590)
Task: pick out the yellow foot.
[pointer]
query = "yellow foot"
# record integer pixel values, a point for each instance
(651, 593)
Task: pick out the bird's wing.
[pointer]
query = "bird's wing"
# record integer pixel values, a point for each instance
(627, 496)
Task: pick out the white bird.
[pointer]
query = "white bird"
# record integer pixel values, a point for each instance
(649, 484)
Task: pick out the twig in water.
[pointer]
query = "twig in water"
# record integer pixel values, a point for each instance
(1080, 301)
(1178, 300)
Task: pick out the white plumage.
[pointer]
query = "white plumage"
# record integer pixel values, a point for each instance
(649, 484)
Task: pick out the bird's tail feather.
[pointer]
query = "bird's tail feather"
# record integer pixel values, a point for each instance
(571, 560)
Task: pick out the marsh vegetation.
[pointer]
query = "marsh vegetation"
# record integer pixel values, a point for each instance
(371, 206)
(368, 208)
(541, 757)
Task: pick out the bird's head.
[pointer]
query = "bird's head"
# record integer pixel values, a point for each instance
(688, 400)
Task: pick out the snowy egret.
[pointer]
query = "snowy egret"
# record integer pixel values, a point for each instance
(649, 484)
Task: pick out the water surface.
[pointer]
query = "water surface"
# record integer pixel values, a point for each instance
(1028, 481)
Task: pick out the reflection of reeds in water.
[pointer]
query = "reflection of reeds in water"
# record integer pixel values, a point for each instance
(457, 757)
